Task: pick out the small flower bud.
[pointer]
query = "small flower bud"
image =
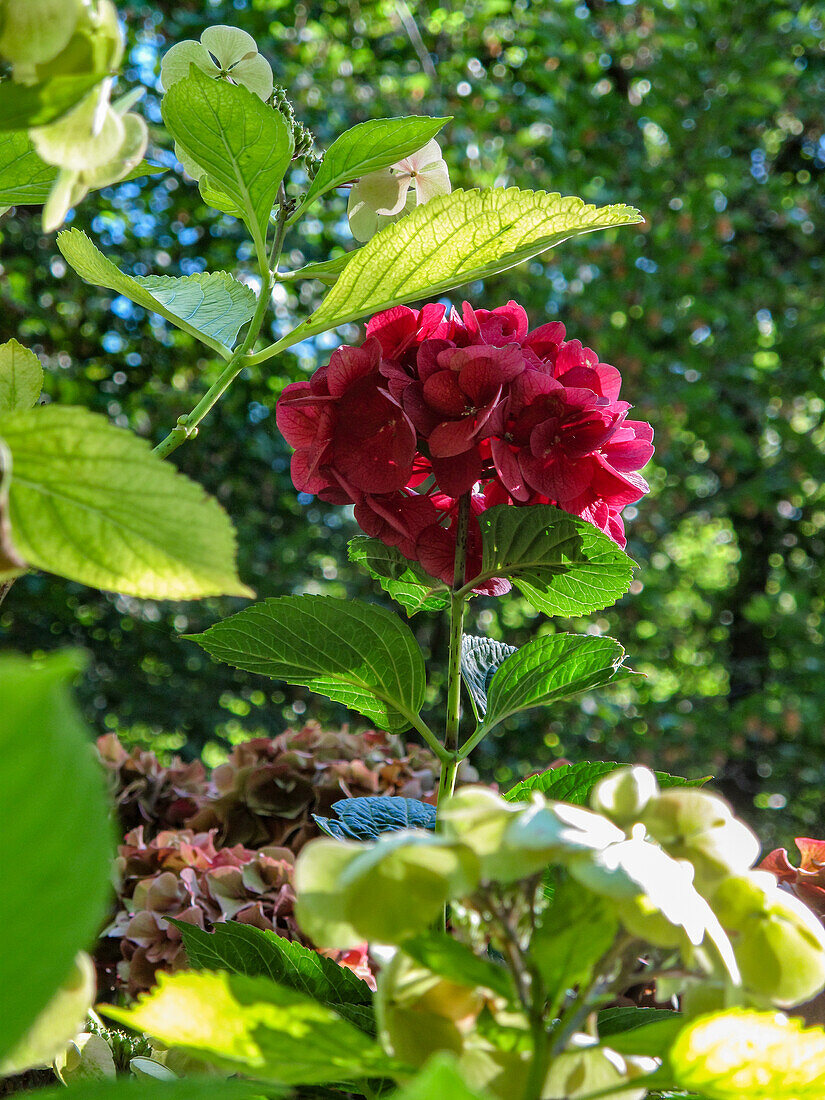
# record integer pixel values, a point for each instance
(623, 795)
(700, 827)
(779, 943)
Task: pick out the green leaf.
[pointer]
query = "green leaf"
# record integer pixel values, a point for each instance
(368, 147)
(449, 958)
(59, 1022)
(480, 660)
(23, 106)
(353, 652)
(370, 816)
(253, 1026)
(452, 240)
(576, 931)
(192, 1088)
(244, 949)
(562, 564)
(326, 271)
(26, 180)
(55, 836)
(574, 782)
(550, 668)
(440, 1079)
(21, 377)
(620, 1021)
(244, 146)
(212, 302)
(758, 1055)
(402, 579)
(640, 1031)
(211, 306)
(90, 502)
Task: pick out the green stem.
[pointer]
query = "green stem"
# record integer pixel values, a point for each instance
(457, 605)
(187, 426)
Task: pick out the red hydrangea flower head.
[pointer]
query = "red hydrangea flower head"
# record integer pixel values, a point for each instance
(436, 405)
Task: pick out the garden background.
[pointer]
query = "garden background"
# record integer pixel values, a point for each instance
(708, 117)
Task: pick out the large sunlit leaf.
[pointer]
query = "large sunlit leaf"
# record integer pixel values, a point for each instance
(243, 145)
(401, 578)
(244, 949)
(55, 836)
(256, 1027)
(211, 306)
(90, 502)
(562, 564)
(548, 669)
(574, 782)
(21, 377)
(758, 1055)
(452, 240)
(355, 653)
(368, 147)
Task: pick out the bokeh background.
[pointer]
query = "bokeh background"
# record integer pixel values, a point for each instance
(708, 116)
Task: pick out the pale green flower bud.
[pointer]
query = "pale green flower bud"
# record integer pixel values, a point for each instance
(779, 942)
(589, 1068)
(514, 840)
(623, 794)
(655, 897)
(87, 1058)
(701, 828)
(420, 1013)
(33, 31)
(382, 892)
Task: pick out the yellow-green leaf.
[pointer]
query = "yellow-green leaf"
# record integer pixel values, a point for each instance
(758, 1055)
(90, 502)
(210, 306)
(21, 377)
(254, 1026)
(452, 240)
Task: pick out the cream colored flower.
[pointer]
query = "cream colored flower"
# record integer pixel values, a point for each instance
(382, 197)
(223, 52)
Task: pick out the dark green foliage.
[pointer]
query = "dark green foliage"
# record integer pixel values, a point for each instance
(367, 818)
(574, 782)
(707, 116)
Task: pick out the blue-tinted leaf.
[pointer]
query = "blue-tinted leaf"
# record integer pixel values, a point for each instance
(480, 660)
(367, 818)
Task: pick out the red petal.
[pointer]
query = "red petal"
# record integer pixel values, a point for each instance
(458, 474)
(347, 366)
(443, 394)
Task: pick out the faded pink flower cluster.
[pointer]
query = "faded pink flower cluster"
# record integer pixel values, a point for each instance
(434, 405)
(182, 874)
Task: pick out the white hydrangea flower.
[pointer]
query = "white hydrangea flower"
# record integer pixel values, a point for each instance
(223, 52)
(382, 197)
